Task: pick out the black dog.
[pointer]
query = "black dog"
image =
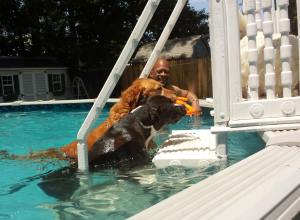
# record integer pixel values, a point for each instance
(128, 139)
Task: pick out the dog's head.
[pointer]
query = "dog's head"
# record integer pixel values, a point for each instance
(140, 90)
(163, 111)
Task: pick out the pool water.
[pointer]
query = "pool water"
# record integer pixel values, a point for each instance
(50, 190)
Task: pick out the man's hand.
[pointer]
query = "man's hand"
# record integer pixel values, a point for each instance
(169, 93)
(196, 107)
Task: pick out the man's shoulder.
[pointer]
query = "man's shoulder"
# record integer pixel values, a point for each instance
(169, 86)
(174, 88)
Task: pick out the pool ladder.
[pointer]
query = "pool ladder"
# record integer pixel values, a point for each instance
(119, 67)
(79, 89)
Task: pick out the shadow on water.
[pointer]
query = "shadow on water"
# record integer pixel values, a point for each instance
(10, 189)
(116, 194)
(60, 184)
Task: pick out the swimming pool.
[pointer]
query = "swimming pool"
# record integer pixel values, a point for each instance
(46, 190)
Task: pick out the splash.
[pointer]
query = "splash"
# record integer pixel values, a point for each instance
(194, 122)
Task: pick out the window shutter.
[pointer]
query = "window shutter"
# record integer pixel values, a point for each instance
(63, 82)
(50, 83)
(1, 91)
(16, 85)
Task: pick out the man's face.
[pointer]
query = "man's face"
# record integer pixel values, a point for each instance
(161, 71)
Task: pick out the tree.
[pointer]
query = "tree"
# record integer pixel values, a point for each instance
(84, 34)
(190, 22)
(293, 17)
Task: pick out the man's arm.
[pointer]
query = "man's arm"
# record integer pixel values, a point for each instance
(191, 97)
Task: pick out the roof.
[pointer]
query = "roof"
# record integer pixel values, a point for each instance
(189, 47)
(28, 62)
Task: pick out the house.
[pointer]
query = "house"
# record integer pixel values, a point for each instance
(190, 64)
(30, 79)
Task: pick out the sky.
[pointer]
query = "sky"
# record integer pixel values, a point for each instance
(199, 4)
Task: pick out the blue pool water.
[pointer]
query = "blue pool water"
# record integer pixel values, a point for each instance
(40, 190)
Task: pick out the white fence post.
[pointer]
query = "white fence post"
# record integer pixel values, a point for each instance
(233, 51)
(269, 49)
(220, 77)
(285, 48)
(252, 49)
(298, 21)
(258, 15)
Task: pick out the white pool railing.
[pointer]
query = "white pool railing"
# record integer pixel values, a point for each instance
(232, 111)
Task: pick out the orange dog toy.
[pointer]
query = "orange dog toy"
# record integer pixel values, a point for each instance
(182, 101)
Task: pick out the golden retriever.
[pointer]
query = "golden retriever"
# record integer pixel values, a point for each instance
(134, 95)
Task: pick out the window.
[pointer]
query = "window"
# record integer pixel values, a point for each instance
(9, 87)
(56, 84)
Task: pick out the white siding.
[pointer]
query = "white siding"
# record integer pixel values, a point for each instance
(28, 86)
(41, 87)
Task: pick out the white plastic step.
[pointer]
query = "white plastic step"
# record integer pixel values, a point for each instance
(189, 148)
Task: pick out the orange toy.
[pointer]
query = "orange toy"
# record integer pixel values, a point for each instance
(182, 101)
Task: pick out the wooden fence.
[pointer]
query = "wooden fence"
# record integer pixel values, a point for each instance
(191, 74)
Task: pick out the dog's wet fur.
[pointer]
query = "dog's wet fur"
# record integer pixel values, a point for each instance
(126, 141)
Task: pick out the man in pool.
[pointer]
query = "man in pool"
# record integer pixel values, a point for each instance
(161, 73)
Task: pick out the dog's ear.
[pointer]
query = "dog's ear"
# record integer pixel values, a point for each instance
(132, 94)
(141, 98)
(154, 113)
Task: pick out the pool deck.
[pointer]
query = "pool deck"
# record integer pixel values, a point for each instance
(203, 102)
(53, 102)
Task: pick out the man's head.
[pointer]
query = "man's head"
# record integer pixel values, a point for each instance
(161, 71)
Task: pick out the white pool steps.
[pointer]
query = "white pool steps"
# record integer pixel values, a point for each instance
(266, 185)
(189, 148)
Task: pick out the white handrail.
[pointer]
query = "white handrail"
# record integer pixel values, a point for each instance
(112, 80)
(77, 82)
(298, 21)
(163, 37)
